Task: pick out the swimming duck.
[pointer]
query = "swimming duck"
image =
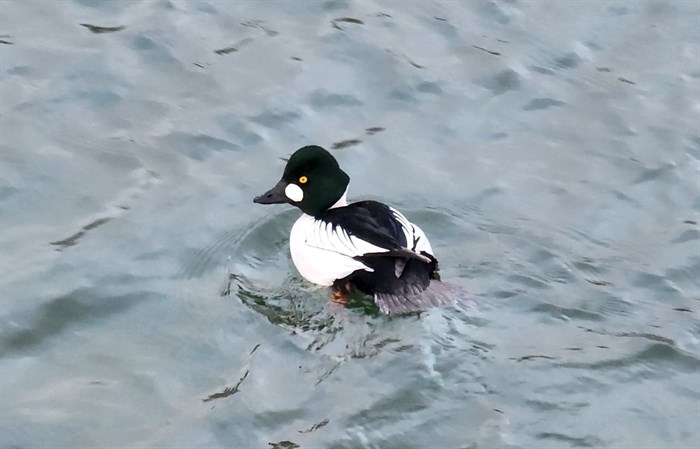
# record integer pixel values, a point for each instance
(365, 245)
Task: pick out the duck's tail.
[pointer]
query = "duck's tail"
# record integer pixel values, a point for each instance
(438, 293)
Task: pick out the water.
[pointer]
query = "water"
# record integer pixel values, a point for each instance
(551, 150)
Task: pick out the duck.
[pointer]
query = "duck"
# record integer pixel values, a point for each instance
(364, 246)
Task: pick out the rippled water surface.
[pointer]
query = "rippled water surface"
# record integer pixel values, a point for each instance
(551, 150)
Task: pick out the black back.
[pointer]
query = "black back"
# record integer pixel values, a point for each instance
(370, 221)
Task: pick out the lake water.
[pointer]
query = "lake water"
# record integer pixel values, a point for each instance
(551, 151)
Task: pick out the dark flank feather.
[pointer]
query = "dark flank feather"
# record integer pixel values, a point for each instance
(401, 285)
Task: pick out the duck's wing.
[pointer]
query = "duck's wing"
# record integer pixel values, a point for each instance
(368, 229)
(404, 265)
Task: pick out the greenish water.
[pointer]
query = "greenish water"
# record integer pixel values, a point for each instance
(551, 151)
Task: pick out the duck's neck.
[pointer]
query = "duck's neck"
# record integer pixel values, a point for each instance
(343, 201)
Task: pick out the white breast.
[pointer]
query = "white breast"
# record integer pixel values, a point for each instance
(323, 254)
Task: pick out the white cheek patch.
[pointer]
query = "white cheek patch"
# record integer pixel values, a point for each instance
(294, 192)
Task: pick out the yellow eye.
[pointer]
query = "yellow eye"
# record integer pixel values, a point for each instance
(303, 180)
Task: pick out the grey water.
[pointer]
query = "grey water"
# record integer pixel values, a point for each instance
(550, 150)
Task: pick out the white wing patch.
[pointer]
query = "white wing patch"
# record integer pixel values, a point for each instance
(337, 240)
(415, 237)
(323, 254)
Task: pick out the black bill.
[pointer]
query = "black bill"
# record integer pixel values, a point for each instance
(275, 195)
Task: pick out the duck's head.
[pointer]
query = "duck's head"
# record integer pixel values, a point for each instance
(312, 181)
